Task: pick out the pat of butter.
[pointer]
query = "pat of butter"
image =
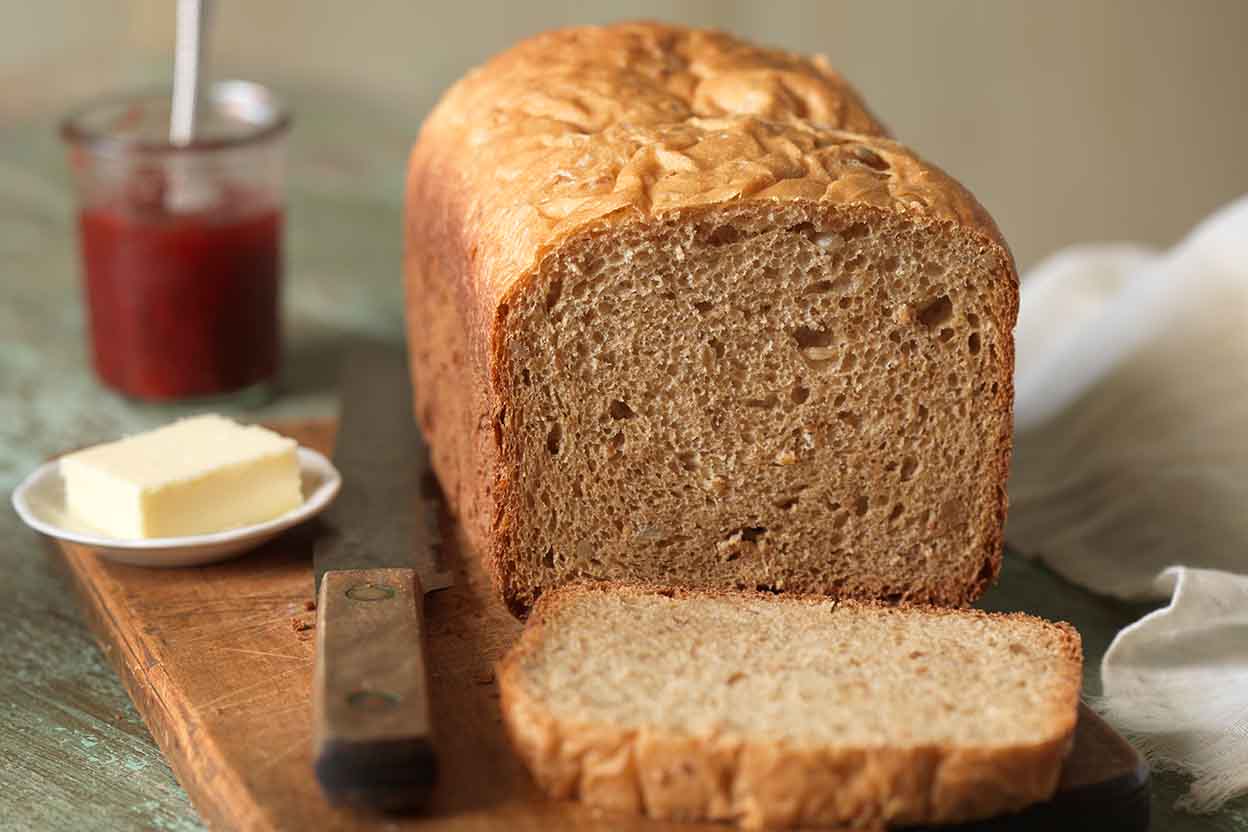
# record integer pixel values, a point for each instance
(197, 476)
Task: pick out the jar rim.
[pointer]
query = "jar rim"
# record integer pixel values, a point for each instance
(254, 107)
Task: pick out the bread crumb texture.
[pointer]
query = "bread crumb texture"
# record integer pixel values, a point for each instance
(782, 712)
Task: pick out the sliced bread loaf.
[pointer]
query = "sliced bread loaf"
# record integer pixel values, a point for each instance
(784, 711)
(679, 313)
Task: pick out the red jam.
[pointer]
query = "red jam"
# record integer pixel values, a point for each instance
(183, 304)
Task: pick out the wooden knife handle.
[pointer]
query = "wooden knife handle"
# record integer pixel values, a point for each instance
(370, 698)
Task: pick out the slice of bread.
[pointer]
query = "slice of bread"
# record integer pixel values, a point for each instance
(786, 711)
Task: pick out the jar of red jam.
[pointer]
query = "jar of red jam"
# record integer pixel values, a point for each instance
(182, 243)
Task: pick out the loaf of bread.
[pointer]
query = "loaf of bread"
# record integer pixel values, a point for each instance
(789, 711)
(680, 312)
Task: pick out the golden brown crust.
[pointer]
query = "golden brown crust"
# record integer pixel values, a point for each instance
(582, 129)
(777, 784)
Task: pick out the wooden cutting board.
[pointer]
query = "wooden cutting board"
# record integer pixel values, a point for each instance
(218, 660)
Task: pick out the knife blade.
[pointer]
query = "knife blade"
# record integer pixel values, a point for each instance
(377, 553)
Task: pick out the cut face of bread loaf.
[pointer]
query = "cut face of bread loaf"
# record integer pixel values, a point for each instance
(670, 322)
(774, 711)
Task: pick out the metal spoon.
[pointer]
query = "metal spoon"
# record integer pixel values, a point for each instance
(187, 62)
(186, 191)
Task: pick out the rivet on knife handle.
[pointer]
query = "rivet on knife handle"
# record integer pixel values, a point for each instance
(370, 704)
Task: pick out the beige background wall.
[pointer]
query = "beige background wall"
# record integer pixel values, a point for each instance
(1073, 120)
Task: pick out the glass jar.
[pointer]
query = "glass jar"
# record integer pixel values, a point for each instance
(182, 244)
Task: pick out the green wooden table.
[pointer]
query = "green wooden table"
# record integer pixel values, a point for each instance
(73, 753)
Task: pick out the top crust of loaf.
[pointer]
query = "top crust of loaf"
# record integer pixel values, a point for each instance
(578, 127)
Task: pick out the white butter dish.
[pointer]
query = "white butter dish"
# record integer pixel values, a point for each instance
(40, 501)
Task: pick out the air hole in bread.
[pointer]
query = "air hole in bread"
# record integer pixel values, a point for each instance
(857, 231)
(946, 334)
(936, 312)
(799, 394)
(807, 337)
(723, 235)
(972, 343)
(908, 466)
(861, 505)
(805, 229)
(554, 437)
(849, 417)
(765, 403)
(814, 346)
(620, 410)
(552, 294)
(752, 534)
(897, 511)
(703, 306)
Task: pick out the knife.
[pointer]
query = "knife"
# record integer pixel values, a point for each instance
(377, 554)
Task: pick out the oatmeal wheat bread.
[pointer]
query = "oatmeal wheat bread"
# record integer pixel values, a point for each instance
(789, 711)
(679, 312)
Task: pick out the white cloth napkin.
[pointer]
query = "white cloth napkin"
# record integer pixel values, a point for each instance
(1130, 477)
